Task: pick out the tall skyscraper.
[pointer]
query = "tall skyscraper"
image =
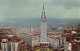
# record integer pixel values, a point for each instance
(43, 26)
(43, 37)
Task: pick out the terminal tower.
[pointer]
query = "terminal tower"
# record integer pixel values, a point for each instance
(43, 36)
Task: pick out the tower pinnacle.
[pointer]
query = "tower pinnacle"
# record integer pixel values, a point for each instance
(43, 9)
(43, 16)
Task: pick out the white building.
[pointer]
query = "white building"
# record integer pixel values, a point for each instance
(4, 45)
(13, 46)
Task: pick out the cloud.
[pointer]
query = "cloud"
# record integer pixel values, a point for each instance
(19, 8)
(33, 8)
(62, 12)
(66, 3)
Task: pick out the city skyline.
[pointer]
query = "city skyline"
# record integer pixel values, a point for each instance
(43, 25)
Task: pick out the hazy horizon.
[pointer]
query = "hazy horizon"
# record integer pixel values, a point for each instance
(35, 22)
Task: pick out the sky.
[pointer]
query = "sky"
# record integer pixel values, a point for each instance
(29, 9)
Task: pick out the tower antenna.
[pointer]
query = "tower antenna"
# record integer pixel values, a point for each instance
(42, 1)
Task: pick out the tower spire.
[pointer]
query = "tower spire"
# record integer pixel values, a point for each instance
(43, 9)
(43, 13)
